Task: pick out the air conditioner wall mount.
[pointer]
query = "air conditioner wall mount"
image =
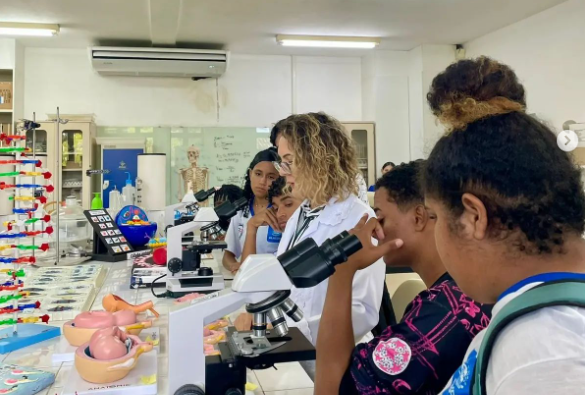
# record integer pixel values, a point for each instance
(159, 62)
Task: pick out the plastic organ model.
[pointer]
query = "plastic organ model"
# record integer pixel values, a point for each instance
(84, 325)
(109, 356)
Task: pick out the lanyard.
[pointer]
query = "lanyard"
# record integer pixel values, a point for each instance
(251, 206)
(544, 278)
(303, 223)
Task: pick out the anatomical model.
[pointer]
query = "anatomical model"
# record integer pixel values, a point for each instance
(85, 324)
(109, 355)
(193, 176)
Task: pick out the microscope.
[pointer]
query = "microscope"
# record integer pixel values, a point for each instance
(184, 271)
(191, 209)
(263, 284)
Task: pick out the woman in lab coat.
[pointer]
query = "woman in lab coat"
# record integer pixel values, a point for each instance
(260, 175)
(319, 161)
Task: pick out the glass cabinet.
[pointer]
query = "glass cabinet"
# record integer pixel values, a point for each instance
(67, 156)
(363, 136)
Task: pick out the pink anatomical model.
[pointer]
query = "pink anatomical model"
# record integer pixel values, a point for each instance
(109, 355)
(109, 343)
(102, 319)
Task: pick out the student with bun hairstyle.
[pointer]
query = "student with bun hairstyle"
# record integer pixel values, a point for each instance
(510, 212)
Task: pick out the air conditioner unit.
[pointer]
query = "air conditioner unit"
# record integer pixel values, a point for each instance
(159, 62)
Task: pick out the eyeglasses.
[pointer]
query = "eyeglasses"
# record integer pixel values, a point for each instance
(283, 168)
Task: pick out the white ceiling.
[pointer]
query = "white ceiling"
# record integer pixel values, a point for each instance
(249, 26)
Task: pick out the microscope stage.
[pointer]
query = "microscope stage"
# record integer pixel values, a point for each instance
(195, 284)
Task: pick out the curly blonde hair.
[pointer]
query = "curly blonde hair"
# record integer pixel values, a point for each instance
(325, 157)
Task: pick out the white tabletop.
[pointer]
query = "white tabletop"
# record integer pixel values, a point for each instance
(289, 379)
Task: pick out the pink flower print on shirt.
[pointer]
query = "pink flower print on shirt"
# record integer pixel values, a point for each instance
(392, 356)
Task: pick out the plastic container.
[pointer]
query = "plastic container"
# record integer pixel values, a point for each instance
(115, 202)
(74, 229)
(128, 192)
(96, 202)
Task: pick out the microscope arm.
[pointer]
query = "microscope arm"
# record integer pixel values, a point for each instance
(187, 364)
(175, 234)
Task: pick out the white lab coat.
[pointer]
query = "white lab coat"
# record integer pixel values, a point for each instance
(367, 284)
(266, 238)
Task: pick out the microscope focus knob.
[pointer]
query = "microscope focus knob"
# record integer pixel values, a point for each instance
(175, 265)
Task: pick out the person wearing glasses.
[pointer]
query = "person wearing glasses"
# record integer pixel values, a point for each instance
(362, 192)
(319, 162)
(259, 177)
(437, 327)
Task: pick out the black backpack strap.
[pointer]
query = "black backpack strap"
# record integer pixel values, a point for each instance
(570, 292)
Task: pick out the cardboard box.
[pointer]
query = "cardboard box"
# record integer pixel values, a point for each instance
(6, 94)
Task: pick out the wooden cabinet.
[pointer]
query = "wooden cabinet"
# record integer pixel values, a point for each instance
(363, 136)
(67, 156)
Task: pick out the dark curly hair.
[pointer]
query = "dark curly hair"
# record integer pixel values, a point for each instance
(531, 189)
(402, 184)
(388, 164)
(277, 189)
(267, 155)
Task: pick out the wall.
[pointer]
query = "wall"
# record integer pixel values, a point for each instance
(7, 54)
(547, 51)
(435, 59)
(255, 91)
(394, 88)
(385, 101)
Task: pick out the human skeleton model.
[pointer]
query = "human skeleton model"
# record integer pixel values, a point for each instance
(194, 176)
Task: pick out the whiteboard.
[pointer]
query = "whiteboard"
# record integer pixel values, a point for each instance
(225, 151)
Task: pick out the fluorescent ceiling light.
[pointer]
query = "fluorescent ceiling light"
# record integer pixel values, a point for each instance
(28, 29)
(328, 41)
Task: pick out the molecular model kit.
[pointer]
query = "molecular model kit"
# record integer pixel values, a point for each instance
(21, 323)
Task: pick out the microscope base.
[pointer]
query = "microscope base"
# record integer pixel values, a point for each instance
(228, 371)
(183, 285)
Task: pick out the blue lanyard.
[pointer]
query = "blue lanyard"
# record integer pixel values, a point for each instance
(252, 206)
(542, 278)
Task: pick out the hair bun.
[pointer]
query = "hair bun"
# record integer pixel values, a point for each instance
(459, 114)
(474, 89)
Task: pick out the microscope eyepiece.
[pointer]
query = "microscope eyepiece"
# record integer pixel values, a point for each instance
(203, 195)
(227, 210)
(307, 264)
(341, 247)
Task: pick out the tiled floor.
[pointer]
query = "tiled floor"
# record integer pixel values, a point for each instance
(286, 379)
(288, 376)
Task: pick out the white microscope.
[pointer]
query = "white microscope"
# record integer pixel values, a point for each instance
(263, 285)
(184, 271)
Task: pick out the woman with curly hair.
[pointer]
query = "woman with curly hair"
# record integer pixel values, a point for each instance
(510, 214)
(319, 161)
(259, 177)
